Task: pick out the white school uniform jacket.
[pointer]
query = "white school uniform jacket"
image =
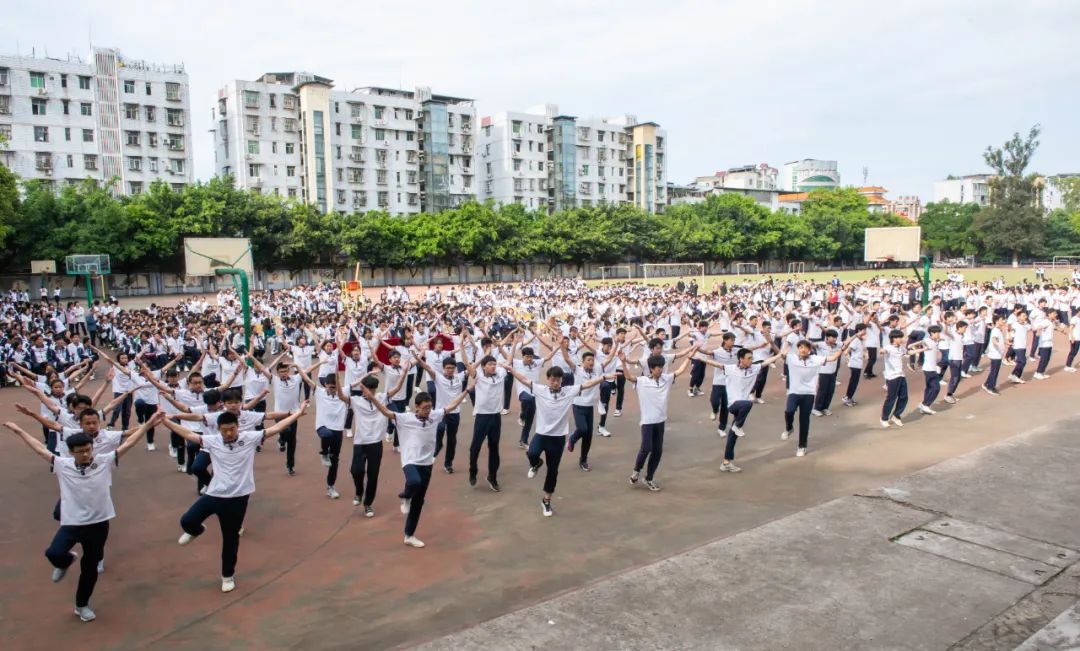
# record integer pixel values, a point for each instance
(653, 397)
(234, 463)
(417, 437)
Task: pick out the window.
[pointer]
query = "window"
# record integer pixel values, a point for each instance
(135, 187)
(290, 170)
(88, 135)
(411, 177)
(151, 164)
(172, 90)
(252, 146)
(129, 86)
(292, 193)
(357, 132)
(253, 170)
(380, 177)
(517, 164)
(5, 132)
(3, 76)
(135, 163)
(408, 136)
(341, 196)
(90, 161)
(379, 110)
(37, 106)
(384, 199)
(380, 134)
(152, 139)
(290, 123)
(289, 101)
(408, 114)
(151, 114)
(37, 80)
(251, 99)
(515, 126)
(41, 134)
(131, 111)
(131, 137)
(174, 117)
(84, 84)
(273, 147)
(67, 134)
(410, 156)
(487, 168)
(5, 104)
(176, 165)
(337, 128)
(85, 108)
(66, 105)
(148, 90)
(290, 148)
(273, 101)
(43, 160)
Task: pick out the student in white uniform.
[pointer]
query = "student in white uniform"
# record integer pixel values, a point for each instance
(741, 378)
(803, 370)
(553, 403)
(331, 408)
(931, 377)
(448, 385)
(856, 360)
(487, 422)
(896, 389)
(233, 454)
(996, 349)
(583, 407)
(416, 433)
(369, 428)
(653, 391)
(85, 479)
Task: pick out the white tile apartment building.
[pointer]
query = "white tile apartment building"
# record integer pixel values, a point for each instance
(544, 160)
(67, 120)
(292, 134)
(973, 188)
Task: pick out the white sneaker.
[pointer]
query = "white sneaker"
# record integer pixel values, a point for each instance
(413, 541)
(712, 415)
(332, 493)
(172, 452)
(721, 433)
(951, 400)
(228, 584)
(59, 572)
(545, 508)
(816, 412)
(737, 430)
(1040, 376)
(185, 538)
(1069, 369)
(405, 503)
(885, 424)
(356, 501)
(801, 452)
(603, 431)
(729, 467)
(690, 393)
(964, 374)
(325, 460)
(85, 613)
(827, 412)
(202, 491)
(990, 391)
(532, 471)
(923, 409)
(521, 422)
(617, 413)
(150, 447)
(785, 435)
(348, 434)
(180, 468)
(504, 412)
(101, 566)
(759, 401)
(896, 421)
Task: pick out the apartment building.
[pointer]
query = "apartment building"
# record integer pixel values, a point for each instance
(972, 188)
(293, 134)
(66, 120)
(543, 159)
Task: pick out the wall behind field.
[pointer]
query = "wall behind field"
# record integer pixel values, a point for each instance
(153, 283)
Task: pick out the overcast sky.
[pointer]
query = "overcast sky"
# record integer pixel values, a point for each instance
(913, 91)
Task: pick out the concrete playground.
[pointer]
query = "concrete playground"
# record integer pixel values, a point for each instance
(801, 553)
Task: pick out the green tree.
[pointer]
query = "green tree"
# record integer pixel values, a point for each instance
(1062, 236)
(9, 203)
(1013, 223)
(947, 228)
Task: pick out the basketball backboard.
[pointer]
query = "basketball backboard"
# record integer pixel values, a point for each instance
(43, 266)
(203, 256)
(893, 244)
(82, 265)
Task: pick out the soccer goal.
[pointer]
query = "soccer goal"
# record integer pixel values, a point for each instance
(747, 268)
(676, 270)
(796, 267)
(1065, 261)
(612, 272)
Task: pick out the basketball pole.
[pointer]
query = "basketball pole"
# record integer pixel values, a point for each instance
(245, 305)
(924, 279)
(89, 291)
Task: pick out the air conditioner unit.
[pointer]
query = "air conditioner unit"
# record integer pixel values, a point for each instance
(42, 92)
(47, 171)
